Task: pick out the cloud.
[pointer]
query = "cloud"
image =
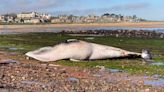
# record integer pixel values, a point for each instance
(29, 5)
(115, 8)
(51, 6)
(131, 6)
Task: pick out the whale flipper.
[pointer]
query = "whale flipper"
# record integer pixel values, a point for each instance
(75, 60)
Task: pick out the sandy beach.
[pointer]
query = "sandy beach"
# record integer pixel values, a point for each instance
(141, 24)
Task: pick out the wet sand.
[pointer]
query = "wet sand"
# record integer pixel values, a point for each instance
(141, 25)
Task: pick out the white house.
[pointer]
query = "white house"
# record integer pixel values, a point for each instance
(31, 20)
(27, 15)
(0, 17)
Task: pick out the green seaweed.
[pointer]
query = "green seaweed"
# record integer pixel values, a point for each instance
(32, 41)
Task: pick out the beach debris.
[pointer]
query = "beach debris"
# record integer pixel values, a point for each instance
(79, 50)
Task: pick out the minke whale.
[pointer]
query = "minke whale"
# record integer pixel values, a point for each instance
(74, 49)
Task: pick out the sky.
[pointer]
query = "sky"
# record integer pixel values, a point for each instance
(148, 9)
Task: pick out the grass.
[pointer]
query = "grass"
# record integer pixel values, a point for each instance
(30, 41)
(135, 66)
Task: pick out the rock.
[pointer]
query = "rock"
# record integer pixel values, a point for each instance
(33, 77)
(101, 67)
(162, 36)
(9, 61)
(53, 65)
(115, 70)
(73, 79)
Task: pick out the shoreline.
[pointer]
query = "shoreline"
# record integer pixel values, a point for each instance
(140, 25)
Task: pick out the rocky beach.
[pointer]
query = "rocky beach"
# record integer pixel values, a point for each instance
(19, 74)
(138, 30)
(117, 33)
(24, 75)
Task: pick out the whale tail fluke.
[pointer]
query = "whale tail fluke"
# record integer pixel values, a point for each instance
(146, 55)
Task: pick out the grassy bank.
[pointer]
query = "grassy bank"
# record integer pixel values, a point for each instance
(30, 41)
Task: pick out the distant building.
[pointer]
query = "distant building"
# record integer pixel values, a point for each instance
(10, 19)
(32, 20)
(34, 17)
(7, 18)
(27, 15)
(45, 16)
(91, 19)
(56, 20)
(1, 18)
(17, 20)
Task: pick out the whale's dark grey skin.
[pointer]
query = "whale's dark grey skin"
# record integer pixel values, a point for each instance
(78, 50)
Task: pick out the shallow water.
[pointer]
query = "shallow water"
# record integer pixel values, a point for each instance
(89, 38)
(9, 61)
(158, 63)
(157, 82)
(58, 29)
(115, 70)
(11, 48)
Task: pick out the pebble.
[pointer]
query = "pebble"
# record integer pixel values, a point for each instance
(53, 65)
(73, 79)
(36, 78)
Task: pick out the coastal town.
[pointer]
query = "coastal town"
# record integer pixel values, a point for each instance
(35, 18)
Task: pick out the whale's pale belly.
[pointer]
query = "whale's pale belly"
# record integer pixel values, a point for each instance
(103, 51)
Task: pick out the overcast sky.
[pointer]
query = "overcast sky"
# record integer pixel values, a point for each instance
(149, 9)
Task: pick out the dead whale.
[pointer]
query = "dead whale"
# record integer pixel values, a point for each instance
(78, 50)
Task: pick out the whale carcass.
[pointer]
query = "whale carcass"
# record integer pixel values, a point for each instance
(79, 50)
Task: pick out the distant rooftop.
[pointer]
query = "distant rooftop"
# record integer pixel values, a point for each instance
(26, 12)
